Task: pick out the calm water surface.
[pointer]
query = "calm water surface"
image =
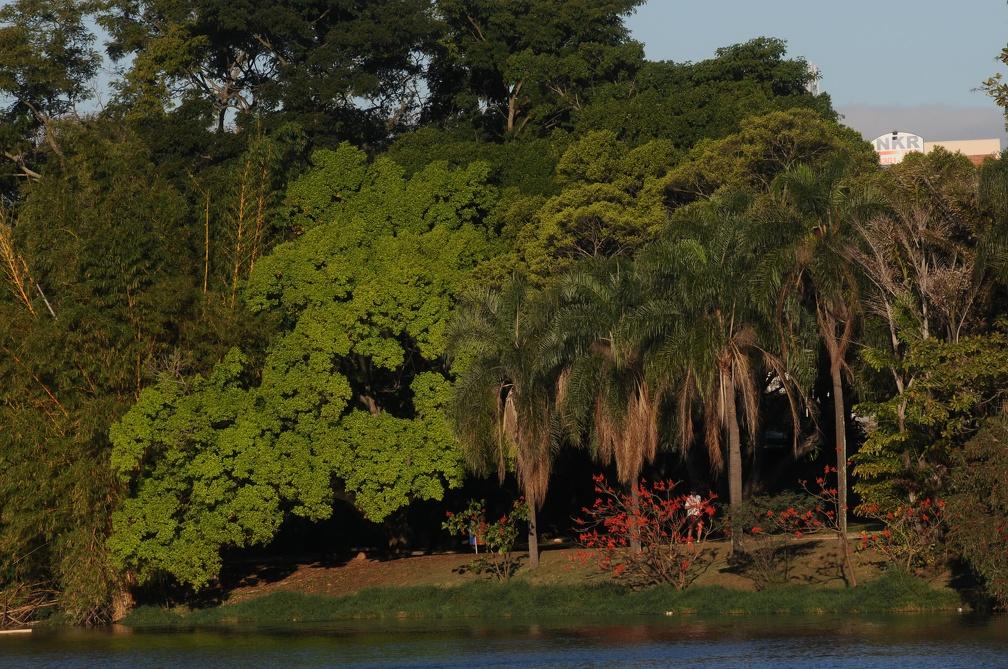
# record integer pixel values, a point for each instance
(904, 642)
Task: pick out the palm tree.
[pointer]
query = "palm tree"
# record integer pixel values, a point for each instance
(710, 268)
(828, 208)
(596, 339)
(504, 398)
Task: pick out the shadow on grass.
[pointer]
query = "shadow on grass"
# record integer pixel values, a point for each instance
(775, 563)
(237, 574)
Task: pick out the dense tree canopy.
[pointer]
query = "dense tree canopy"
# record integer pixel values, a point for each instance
(103, 296)
(308, 62)
(526, 65)
(351, 388)
(47, 58)
(326, 261)
(686, 102)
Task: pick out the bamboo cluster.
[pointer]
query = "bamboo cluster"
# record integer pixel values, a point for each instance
(14, 266)
(250, 218)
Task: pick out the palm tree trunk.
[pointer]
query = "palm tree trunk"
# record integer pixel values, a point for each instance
(734, 456)
(734, 448)
(635, 544)
(533, 536)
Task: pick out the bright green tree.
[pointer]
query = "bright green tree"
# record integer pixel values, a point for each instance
(917, 433)
(351, 394)
(213, 467)
(607, 206)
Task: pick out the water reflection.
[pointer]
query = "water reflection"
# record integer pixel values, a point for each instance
(921, 642)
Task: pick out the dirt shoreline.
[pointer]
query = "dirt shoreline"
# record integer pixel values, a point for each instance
(816, 563)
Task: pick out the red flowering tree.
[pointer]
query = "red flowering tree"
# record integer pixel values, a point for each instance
(913, 535)
(673, 530)
(825, 496)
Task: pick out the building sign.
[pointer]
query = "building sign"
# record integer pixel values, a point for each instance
(892, 148)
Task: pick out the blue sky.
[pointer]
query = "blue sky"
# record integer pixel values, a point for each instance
(915, 59)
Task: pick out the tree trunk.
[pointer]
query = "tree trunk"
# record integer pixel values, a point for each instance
(635, 544)
(734, 455)
(533, 537)
(840, 429)
(370, 403)
(836, 346)
(734, 448)
(398, 533)
(512, 113)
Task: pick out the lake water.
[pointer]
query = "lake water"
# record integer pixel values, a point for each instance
(904, 642)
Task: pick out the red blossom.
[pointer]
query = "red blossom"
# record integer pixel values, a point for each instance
(660, 519)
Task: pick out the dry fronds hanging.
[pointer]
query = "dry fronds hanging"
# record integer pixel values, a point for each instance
(533, 459)
(639, 439)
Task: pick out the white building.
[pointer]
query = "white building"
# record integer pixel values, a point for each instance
(893, 147)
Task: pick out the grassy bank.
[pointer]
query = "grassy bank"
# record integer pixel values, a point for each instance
(888, 593)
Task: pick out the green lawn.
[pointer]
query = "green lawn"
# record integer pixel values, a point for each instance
(888, 593)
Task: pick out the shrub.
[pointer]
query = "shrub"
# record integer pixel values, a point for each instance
(977, 510)
(499, 537)
(768, 527)
(672, 530)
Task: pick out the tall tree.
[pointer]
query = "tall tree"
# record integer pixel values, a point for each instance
(526, 65)
(504, 397)
(713, 352)
(344, 69)
(925, 280)
(996, 87)
(47, 61)
(104, 295)
(829, 208)
(598, 335)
